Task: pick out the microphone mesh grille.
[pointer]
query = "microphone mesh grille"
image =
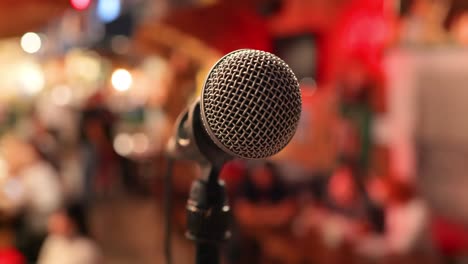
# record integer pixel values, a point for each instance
(251, 104)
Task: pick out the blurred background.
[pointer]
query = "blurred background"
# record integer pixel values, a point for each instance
(376, 173)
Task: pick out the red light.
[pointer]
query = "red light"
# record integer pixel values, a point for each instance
(80, 4)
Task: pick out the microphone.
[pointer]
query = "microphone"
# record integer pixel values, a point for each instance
(249, 108)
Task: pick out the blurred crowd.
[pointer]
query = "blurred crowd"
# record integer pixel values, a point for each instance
(333, 220)
(47, 188)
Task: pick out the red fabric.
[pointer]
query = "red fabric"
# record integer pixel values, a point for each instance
(232, 174)
(363, 30)
(11, 256)
(451, 238)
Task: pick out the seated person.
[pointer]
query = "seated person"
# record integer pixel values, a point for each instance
(330, 229)
(264, 211)
(346, 206)
(67, 242)
(263, 200)
(406, 222)
(31, 191)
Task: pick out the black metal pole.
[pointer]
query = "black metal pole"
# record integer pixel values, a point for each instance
(208, 216)
(207, 253)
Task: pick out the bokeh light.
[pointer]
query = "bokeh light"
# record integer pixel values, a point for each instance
(3, 169)
(121, 80)
(123, 144)
(80, 4)
(31, 42)
(30, 78)
(83, 65)
(108, 10)
(61, 95)
(140, 143)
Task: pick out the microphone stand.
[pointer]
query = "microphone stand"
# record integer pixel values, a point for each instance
(208, 216)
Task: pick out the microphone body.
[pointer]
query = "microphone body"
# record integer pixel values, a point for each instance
(191, 142)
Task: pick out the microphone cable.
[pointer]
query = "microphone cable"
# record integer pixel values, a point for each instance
(167, 196)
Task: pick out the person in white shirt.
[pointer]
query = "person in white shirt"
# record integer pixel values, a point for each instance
(67, 242)
(31, 191)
